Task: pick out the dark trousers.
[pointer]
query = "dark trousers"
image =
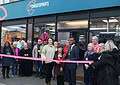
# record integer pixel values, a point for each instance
(71, 70)
(25, 68)
(48, 72)
(14, 68)
(60, 80)
(5, 71)
(88, 77)
(38, 65)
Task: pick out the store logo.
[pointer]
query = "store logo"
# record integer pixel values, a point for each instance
(4, 11)
(33, 4)
(29, 9)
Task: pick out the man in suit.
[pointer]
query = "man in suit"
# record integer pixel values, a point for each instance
(73, 54)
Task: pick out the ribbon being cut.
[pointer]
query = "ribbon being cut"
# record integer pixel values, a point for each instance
(40, 59)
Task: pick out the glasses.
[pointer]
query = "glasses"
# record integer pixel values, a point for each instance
(71, 40)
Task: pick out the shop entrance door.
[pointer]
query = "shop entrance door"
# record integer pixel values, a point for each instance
(81, 37)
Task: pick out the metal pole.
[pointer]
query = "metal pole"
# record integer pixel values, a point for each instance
(0, 35)
(108, 25)
(56, 30)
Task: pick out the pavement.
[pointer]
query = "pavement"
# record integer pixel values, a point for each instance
(27, 81)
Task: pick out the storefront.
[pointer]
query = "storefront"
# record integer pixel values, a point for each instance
(28, 19)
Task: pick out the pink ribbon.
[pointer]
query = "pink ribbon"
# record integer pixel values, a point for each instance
(39, 59)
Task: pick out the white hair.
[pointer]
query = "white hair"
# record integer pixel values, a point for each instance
(90, 44)
(109, 45)
(95, 37)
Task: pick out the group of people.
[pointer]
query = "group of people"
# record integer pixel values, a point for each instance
(16, 66)
(102, 70)
(105, 69)
(55, 51)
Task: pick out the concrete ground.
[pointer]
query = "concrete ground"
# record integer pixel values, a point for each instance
(27, 81)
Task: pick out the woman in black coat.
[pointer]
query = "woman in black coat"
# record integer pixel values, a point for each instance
(26, 66)
(105, 67)
(7, 62)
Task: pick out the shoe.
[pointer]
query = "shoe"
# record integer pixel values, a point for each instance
(48, 84)
(7, 77)
(3, 77)
(12, 76)
(41, 77)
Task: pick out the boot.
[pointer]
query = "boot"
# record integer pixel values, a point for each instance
(3, 73)
(49, 83)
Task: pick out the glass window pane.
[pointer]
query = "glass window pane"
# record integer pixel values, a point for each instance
(44, 26)
(1, 1)
(76, 24)
(12, 33)
(6, 1)
(97, 26)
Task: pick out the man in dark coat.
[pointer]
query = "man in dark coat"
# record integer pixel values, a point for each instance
(73, 54)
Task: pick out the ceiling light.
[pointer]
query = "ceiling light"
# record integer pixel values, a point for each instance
(98, 28)
(3, 28)
(110, 20)
(51, 24)
(13, 27)
(79, 22)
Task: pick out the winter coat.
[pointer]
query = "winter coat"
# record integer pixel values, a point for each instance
(58, 68)
(105, 69)
(5, 60)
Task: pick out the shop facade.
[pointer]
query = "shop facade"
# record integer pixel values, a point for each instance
(29, 19)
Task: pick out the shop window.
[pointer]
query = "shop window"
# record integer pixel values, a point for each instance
(102, 26)
(75, 28)
(75, 25)
(44, 27)
(13, 33)
(105, 23)
(98, 25)
(1, 1)
(114, 24)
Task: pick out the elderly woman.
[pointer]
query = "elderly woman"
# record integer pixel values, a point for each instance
(106, 73)
(26, 65)
(90, 55)
(95, 44)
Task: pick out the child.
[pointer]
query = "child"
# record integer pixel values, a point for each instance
(59, 67)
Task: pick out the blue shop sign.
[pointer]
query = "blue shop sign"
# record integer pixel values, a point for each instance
(29, 8)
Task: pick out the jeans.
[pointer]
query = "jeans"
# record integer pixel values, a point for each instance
(14, 68)
(38, 65)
